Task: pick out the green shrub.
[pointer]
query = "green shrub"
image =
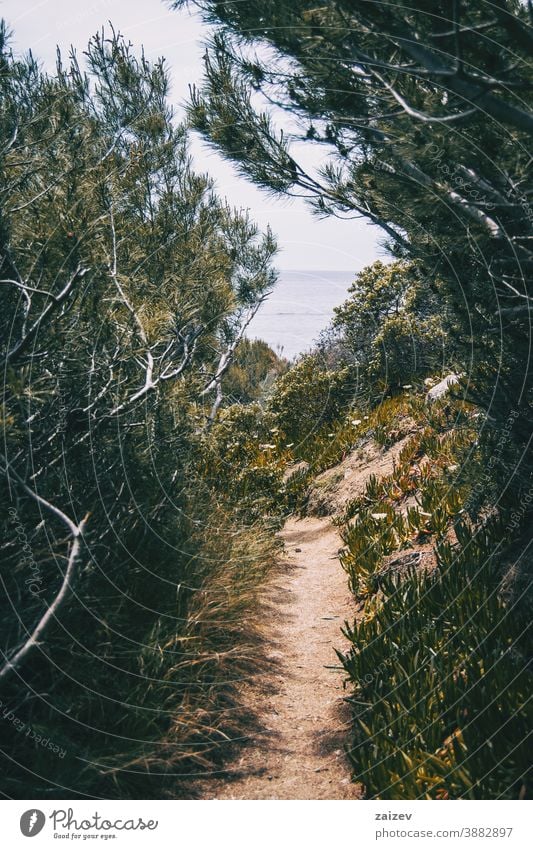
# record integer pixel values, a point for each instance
(391, 326)
(438, 660)
(308, 399)
(441, 702)
(122, 274)
(252, 373)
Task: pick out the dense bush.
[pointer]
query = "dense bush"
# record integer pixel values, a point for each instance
(441, 702)
(439, 657)
(245, 456)
(390, 328)
(125, 575)
(310, 398)
(252, 373)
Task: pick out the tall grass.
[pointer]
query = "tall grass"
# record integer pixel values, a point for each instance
(137, 683)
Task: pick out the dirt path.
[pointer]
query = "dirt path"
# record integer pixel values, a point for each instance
(298, 754)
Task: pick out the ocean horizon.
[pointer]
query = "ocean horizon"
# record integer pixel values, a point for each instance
(300, 306)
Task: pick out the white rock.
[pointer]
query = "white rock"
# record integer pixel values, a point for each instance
(441, 388)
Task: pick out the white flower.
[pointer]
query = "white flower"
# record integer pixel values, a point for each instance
(356, 422)
(379, 515)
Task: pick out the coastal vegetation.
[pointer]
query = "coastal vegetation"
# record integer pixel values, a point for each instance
(151, 452)
(126, 284)
(428, 115)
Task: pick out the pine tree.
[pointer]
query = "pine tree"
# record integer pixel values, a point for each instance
(125, 286)
(428, 112)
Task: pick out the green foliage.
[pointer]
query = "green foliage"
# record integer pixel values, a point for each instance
(441, 701)
(308, 399)
(252, 373)
(245, 457)
(438, 658)
(124, 277)
(390, 326)
(429, 127)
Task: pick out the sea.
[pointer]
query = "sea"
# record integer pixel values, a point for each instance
(298, 309)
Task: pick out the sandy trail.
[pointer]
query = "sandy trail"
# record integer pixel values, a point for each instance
(298, 752)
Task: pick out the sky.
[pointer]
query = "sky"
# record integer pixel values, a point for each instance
(305, 241)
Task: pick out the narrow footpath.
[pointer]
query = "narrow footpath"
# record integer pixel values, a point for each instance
(298, 753)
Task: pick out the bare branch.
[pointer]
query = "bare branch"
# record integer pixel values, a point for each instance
(12, 140)
(421, 116)
(55, 301)
(25, 288)
(473, 212)
(226, 356)
(471, 91)
(226, 360)
(151, 382)
(462, 30)
(76, 532)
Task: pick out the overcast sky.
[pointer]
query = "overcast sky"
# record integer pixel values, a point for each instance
(305, 242)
